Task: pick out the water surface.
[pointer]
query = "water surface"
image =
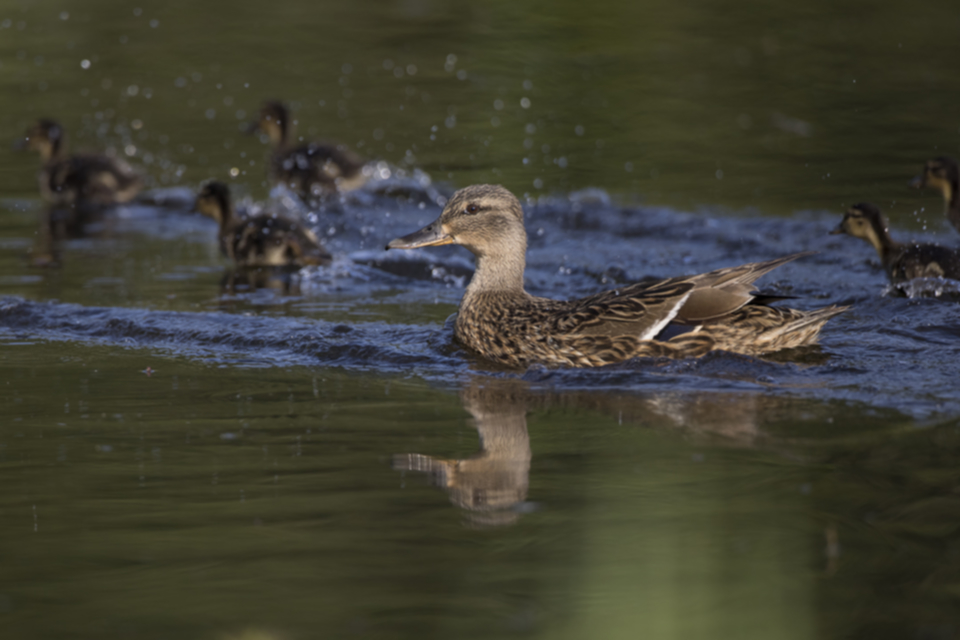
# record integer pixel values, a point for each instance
(192, 452)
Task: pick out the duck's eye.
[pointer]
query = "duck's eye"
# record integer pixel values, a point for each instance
(472, 208)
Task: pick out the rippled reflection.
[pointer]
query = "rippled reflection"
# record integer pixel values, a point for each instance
(492, 484)
(281, 280)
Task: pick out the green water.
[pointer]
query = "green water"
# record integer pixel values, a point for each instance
(799, 105)
(199, 501)
(155, 493)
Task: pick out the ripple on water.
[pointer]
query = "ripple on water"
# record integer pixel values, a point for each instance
(893, 351)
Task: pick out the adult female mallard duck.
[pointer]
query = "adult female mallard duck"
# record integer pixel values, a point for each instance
(311, 169)
(502, 322)
(79, 179)
(901, 262)
(262, 240)
(943, 174)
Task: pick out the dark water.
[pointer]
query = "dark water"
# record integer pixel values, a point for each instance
(196, 453)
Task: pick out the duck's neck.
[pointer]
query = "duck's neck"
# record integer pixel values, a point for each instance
(500, 270)
(50, 151)
(226, 215)
(279, 131)
(880, 238)
(951, 197)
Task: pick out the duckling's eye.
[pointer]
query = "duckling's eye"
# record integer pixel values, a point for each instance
(472, 208)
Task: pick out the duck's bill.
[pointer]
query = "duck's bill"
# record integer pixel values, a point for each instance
(252, 128)
(21, 144)
(917, 182)
(432, 235)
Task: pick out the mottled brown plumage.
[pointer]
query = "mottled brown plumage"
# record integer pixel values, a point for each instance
(262, 240)
(80, 179)
(502, 322)
(901, 262)
(310, 169)
(943, 174)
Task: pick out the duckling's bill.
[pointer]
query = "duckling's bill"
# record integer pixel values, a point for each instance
(432, 235)
(838, 230)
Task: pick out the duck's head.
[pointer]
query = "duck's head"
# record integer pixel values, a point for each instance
(274, 120)
(865, 221)
(45, 137)
(485, 218)
(940, 173)
(213, 200)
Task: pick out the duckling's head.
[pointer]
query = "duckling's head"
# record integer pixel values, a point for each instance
(45, 137)
(213, 200)
(485, 218)
(274, 120)
(865, 221)
(940, 173)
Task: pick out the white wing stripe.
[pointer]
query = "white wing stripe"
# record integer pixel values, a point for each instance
(653, 331)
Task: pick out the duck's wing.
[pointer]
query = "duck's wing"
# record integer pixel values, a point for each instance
(644, 310)
(101, 179)
(638, 312)
(307, 249)
(927, 261)
(278, 241)
(720, 293)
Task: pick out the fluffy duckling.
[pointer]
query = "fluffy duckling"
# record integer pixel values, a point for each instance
(79, 179)
(901, 262)
(502, 322)
(311, 169)
(262, 240)
(942, 173)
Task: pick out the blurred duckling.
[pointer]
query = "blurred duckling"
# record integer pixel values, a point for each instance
(943, 174)
(78, 180)
(901, 262)
(262, 240)
(310, 169)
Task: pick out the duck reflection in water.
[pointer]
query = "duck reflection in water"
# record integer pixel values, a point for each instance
(239, 281)
(490, 486)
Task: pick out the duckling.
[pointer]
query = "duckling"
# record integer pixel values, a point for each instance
(500, 321)
(311, 169)
(79, 179)
(900, 262)
(942, 173)
(262, 240)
